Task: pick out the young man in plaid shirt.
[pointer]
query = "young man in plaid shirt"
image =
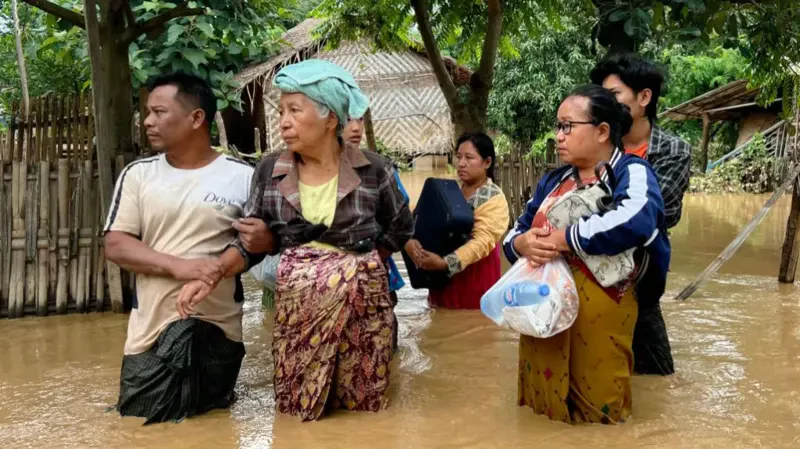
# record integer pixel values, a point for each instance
(637, 83)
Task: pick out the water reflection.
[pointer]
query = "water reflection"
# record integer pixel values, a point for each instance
(736, 343)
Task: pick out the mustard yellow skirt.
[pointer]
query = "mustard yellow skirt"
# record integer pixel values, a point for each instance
(583, 375)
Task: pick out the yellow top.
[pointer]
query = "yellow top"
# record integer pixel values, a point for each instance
(491, 223)
(318, 204)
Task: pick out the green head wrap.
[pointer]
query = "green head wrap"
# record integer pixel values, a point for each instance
(327, 84)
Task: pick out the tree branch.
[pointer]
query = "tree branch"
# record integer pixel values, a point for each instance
(129, 16)
(158, 21)
(494, 30)
(62, 13)
(434, 55)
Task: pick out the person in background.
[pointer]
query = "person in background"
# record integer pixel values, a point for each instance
(637, 83)
(337, 214)
(583, 375)
(171, 224)
(475, 266)
(353, 133)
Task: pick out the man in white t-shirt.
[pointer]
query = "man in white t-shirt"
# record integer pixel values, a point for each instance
(171, 222)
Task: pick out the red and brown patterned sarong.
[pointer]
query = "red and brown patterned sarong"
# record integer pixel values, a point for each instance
(333, 332)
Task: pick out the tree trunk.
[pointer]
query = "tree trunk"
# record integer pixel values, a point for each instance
(463, 117)
(116, 88)
(369, 131)
(23, 71)
(112, 95)
(522, 146)
(223, 136)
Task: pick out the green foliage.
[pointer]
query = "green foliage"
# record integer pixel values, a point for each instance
(765, 32)
(458, 26)
(751, 172)
(228, 36)
(56, 59)
(398, 157)
(528, 89)
(215, 45)
(540, 145)
(502, 145)
(693, 71)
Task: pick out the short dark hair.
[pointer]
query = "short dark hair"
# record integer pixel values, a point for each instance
(484, 145)
(637, 73)
(604, 108)
(191, 88)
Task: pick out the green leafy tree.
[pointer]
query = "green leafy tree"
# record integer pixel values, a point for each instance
(694, 71)
(764, 31)
(50, 71)
(528, 88)
(144, 35)
(473, 32)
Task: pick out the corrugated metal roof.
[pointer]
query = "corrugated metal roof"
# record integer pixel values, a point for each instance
(715, 103)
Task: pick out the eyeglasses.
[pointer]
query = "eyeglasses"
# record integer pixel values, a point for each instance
(566, 127)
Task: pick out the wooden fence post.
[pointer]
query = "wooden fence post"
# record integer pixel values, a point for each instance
(17, 283)
(112, 270)
(789, 254)
(62, 240)
(43, 238)
(85, 235)
(3, 231)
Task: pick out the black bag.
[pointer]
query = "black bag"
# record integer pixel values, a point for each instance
(443, 221)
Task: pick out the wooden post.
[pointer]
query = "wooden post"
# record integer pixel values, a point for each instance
(705, 142)
(789, 254)
(85, 235)
(5, 220)
(99, 272)
(31, 229)
(369, 131)
(75, 286)
(3, 231)
(62, 240)
(112, 270)
(17, 283)
(43, 241)
(53, 234)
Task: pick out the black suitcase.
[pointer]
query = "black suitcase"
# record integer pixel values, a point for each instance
(443, 221)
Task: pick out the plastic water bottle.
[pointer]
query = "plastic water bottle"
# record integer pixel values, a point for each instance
(525, 294)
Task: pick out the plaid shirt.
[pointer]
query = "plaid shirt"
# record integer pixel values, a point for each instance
(371, 211)
(671, 159)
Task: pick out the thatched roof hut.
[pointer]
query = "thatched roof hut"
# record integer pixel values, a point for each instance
(409, 112)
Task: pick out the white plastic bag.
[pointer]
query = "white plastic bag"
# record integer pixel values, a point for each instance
(266, 272)
(545, 319)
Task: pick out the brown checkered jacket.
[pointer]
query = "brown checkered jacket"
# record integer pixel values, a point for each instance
(370, 211)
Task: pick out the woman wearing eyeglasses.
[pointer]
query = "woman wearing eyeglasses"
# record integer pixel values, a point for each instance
(584, 373)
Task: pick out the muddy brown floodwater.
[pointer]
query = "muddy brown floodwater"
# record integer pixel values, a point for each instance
(736, 344)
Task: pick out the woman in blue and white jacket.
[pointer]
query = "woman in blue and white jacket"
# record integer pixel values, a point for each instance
(584, 374)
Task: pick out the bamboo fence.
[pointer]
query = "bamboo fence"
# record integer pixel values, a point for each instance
(517, 175)
(51, 248)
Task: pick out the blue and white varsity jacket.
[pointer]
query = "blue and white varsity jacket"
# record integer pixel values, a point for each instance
(637, 222)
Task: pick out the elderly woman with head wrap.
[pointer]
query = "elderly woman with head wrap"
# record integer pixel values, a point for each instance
(336, 213)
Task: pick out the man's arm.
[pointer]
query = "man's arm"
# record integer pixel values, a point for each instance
(134, 255)
(232, 263)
